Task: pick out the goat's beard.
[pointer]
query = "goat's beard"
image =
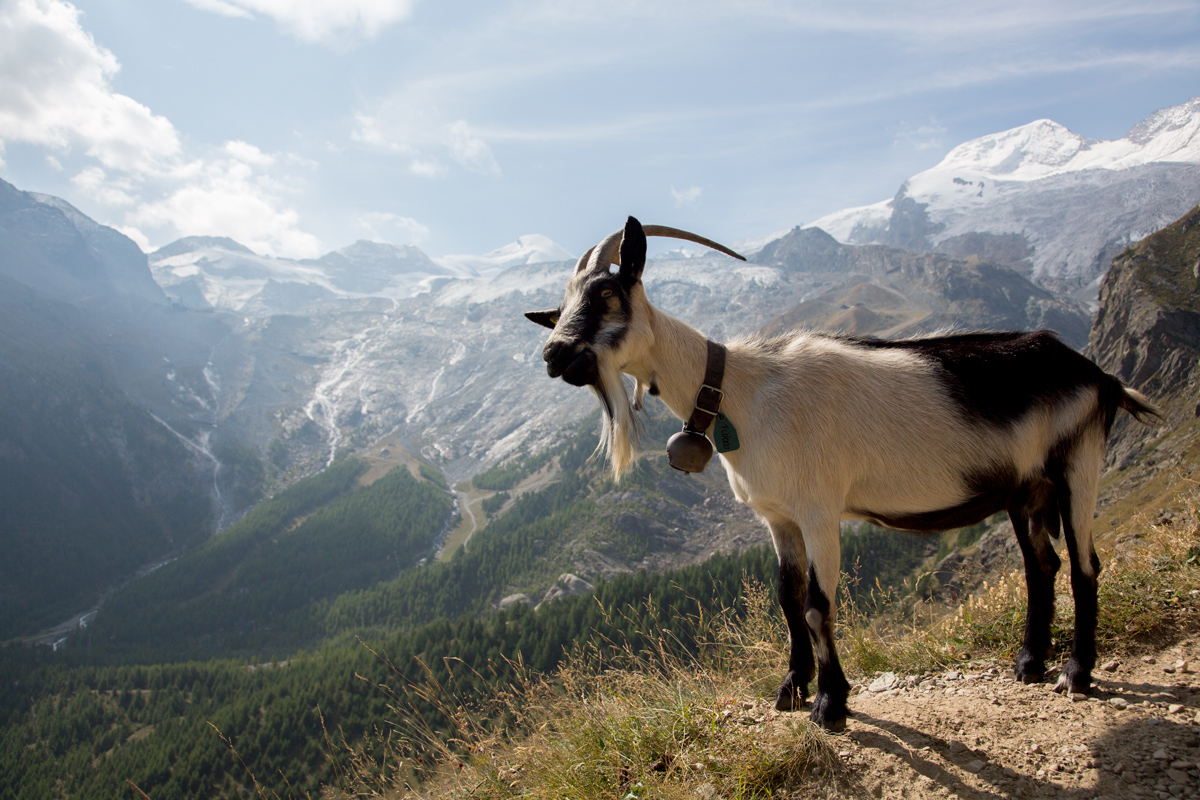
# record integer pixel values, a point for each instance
(619, 428)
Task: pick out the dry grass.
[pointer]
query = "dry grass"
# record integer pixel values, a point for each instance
(612, 723)
(624, 724)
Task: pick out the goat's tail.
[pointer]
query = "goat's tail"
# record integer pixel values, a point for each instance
(1139, 406)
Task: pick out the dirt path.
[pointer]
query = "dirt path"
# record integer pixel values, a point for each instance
(977, 733)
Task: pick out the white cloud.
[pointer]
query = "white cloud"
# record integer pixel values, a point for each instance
(98, 185)
(686, 197)
(427, 167)
(229, 196)
(55, 91)
(471, 151)
(929, 136)
(381, 225)
(414, 133)
(248, 154)
(318, 20)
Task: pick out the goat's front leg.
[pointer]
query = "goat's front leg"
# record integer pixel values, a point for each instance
(793, 593)
(822, 539)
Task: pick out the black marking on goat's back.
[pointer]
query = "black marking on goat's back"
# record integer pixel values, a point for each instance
(997, 377)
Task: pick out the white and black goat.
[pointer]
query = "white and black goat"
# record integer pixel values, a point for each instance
(922, 434)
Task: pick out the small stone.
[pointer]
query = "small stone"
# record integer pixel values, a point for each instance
(1182, 764)
(1111, 666)
(1183, 666)
(1160, 755)
(884, 682)
(1148, 659)
(1035, 748)
(975, 765)
(1170, 668)
(957, 747)
(1076, 697)
(1196, 719)
(1120, 703)
(1118, 768)
(1174, 708)
(1177, 776)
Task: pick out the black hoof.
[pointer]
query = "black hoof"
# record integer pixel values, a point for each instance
(828, 713)
(1028, 669)
(790, 697)
(1074, 679)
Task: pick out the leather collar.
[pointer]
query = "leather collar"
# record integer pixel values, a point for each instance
(708, 399)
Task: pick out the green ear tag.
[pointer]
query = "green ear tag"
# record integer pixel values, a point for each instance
(725, 435)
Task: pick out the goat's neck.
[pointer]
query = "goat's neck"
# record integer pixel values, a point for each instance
(675, 361)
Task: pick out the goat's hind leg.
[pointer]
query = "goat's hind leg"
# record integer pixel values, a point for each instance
(1036, 504)
(793, 591)
(1077, 490)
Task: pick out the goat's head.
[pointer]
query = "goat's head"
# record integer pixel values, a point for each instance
(603, 324)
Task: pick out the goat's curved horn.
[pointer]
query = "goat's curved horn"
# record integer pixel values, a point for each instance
(609, 250)
(675, 233)
(583, 260)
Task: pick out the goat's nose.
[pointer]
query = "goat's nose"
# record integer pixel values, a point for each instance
(577, 367)
(557, 355)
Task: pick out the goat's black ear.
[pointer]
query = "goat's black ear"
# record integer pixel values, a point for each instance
(547, 319)
(633, 252)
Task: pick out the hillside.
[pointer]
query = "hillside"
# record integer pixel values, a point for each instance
(94, 487)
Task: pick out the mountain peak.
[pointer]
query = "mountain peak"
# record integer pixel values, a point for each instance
(1026, 152)
(1183, 118)
(190, 244)
(533, 248)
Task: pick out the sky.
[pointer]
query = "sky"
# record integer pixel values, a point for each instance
(300, 126)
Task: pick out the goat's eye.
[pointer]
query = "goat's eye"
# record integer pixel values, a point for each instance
(606, 293)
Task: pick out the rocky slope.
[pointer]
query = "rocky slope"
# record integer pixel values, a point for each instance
(884, 291)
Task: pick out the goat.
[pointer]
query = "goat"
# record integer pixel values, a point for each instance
(922, 434)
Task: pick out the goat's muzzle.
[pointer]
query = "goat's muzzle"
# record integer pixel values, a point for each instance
(577, 367)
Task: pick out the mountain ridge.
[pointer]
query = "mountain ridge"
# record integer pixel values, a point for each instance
(1048, 188)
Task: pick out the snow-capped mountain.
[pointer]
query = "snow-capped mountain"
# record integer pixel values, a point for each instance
(209, 272)
(1049, 202)
(531, 249)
